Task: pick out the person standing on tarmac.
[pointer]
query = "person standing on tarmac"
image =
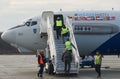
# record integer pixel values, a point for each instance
(58, 26)
(64, 33)
(41, 62)
(67, 59)
(98, 61)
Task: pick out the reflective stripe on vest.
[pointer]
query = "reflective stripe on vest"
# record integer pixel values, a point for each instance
(59, 23)
(64, 30)
(41, 60)
(98, 60)
(68, 45)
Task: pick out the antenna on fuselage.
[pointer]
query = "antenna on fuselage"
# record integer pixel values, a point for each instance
(112, 9)
(60, 9)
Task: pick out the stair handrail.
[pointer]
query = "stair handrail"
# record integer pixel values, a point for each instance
(72, 38)
(51, 40)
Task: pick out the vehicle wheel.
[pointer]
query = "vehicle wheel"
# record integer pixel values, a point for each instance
(92, 66)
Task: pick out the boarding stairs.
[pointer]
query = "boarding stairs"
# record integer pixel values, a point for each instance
(57, 47)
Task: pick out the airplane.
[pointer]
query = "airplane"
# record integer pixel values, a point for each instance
(95, 31)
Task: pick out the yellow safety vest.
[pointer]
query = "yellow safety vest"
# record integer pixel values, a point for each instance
(68, 45)
(98, 59)
(64, 30)
(58, 22)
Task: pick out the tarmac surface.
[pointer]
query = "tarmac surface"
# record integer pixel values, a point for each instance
(25, 67)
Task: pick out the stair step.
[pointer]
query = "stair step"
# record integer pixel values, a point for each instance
(43, 34)
(60, 47)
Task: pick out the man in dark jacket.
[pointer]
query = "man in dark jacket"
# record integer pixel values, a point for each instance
(67, 59)
(41, 62)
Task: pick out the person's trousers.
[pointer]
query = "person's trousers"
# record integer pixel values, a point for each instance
(98, 69)
(58, 32)
(41, 69)
(65, 37)
(67, 66)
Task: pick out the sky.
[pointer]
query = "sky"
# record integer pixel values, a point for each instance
(14, 12)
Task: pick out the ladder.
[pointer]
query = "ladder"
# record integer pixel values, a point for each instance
(57, 47)
(60, 47)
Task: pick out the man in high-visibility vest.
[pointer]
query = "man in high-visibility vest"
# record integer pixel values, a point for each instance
(98, 61)
(41, 62)
(58, 26)
(64, 33)
(68, 45)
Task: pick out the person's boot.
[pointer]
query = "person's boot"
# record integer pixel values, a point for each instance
(37, 74)
(41, 75)
(98, 76)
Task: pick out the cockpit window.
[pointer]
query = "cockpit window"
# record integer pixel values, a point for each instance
(34, 23)
(27, 23)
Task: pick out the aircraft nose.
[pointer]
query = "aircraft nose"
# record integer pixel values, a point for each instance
(8, 36)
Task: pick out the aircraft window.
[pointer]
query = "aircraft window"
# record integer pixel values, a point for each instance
(34, 23)
(81, 28)
(27, 23)
(85, 29)
(77, 27)
(89, 29)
